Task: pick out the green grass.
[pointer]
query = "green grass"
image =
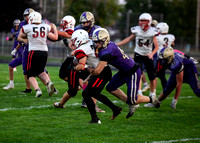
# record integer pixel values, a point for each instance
(26, 119)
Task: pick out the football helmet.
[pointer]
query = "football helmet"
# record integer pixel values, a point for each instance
(167, 54)
(67, 22)
(87, 17)
(27, 12)
(145, 20)
(163, 27)
(79, 37)
(16, 22)
(101, 34)
(34, 17)
(154, 23)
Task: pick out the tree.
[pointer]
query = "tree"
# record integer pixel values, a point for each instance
(11, 10)
(105, 11)
(180, 15)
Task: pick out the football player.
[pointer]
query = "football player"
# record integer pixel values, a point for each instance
(129, 71)
(85, 54)
(36, 34)
(24, 55)
(145, 37)
(164, 39)
(87, 21)
(183, 70)
(15, 61)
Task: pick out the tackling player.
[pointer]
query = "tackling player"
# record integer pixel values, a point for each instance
(129, 71)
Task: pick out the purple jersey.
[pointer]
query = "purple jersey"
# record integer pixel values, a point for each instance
(125, 64)
(25, 52)
(117, 57)
(22, 43)
(15, 34)
(91, 31)
(180, 63)
(190, 76)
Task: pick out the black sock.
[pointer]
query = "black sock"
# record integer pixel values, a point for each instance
(150, 100)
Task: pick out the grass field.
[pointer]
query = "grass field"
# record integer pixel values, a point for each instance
(27, 119)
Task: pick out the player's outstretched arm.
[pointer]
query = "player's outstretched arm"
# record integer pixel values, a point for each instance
(126, 40)
(54, 34)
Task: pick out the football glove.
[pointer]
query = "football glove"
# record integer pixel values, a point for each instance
(13, 52)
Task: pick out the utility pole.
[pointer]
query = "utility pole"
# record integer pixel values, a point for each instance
(128, 21)
(58, 12)
(197, 26)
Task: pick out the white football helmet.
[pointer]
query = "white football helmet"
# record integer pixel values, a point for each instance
(87, 17)
(163, 27)
(27, 12)
(67, 22)
(148, 18)
(79, 37)
(34, 17)
(101, 34)
(167, 54)
(16, 22)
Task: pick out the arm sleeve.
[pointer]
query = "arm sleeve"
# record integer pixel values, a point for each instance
(79, 54)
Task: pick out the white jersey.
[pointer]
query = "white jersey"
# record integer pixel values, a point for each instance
(164, 41)
(143, 39)
(88, 50)
(37, 36)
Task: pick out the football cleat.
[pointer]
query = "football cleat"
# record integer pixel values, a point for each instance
(50, 88)
(132, 109)
(99, 110)
(55, 90)
(9, 86)
(116, 112)
(83, 105)
(95, 122)
(145, 88)
(26, 91)
(38, 93)
(155, 102)
(173, 104)
(148, 105)
(57, 105)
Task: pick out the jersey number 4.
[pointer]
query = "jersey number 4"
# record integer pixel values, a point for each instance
(38, 32)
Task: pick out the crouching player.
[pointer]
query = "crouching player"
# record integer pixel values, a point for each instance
(183, 70)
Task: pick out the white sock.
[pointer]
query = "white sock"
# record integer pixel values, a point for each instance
(11, 81)
(174, 100)
(140, 92)
(152, 94)
(154, 91)
(146, 83)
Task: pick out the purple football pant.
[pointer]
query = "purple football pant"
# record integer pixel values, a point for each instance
(132, 82)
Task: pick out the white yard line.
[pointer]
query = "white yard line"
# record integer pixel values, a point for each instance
(180, 140)
(35, 107)
(42, 106)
